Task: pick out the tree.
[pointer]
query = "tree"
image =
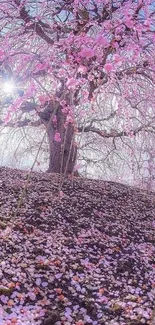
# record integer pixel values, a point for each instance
(60, 59)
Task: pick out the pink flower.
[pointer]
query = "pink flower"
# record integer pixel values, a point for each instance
(69, 119)
(41, 66)
(90, 77)
(31, 90)
(147, 23)
(77, 167)
(82, 113)
(87, 53)
(1, 55)
(101, 40)
(129, 23)
(65, 110)
(61, 73)
(62, 102)
(57, 137)
(7, 117)
(43, 99)
(71, 83)
(85, 94)
(54, 119)
(108, 67)
(117, 58)
(82, 69)
(17, 103)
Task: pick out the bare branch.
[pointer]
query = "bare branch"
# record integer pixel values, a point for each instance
(37, 26)
(27, 107)
(114, 133)
(100, 120)
(26, 122)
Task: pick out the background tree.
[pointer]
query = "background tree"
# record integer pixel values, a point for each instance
(63, 62)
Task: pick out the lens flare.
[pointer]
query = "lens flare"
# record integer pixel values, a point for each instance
(8, 87)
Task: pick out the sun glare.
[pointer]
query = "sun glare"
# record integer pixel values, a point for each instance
(8, 87)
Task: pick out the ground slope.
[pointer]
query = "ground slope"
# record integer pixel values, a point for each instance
(86, 256)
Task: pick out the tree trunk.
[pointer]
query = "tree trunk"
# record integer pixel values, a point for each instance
(63, 152)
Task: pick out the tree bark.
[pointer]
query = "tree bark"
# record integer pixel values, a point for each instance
(63, 153)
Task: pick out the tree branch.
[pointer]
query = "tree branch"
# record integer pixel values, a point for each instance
(27, 107)
(101, 119)
(114, 133)
(36, 26)
(26, 122)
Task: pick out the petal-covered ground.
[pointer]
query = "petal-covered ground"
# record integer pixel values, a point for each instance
(83, 256)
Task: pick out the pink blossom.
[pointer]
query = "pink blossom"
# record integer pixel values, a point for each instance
(129, 23)
(117, 58)
(82, 113)
(85, 94)
(77, 166)
(61, 73)
(41, 66)
(90, 77)
(57, 137)
(31, 90)
(108, 67)
(54, 119)
(1, 55)
(63, 102)
(69, 119)
(101, 40)
(82, 69)
(147, 23)
(17, 103)
(65, 110)
(43, 99)
(87, 53)
(7, 118)
(71, 83)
